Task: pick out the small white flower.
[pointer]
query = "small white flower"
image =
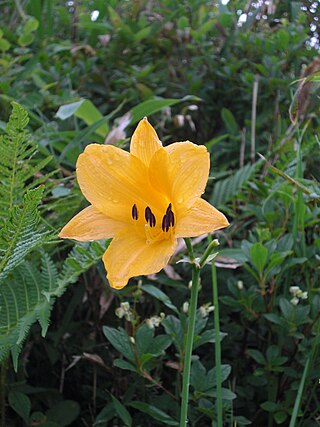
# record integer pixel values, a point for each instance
(153, 322)
(294, 290)
(294, 301)
(240, 285)
(203, 311)
(125, 306)
(210, 308)
(120, 312)
(185, 307)
(304, 295)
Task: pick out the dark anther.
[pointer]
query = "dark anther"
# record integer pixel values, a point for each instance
(171, 218)
(168, 219)
(165, 224)
(150, 218)
(134, 212)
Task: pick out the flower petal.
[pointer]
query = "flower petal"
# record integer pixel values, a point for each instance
(200, 219)
(90, 224)
(144, 142)
(181, 170)
(129, 255)
(113, 181)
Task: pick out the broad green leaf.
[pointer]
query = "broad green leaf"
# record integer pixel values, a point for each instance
(154, 412)
(122, 411)
(120, 341)
(161, 296)
(20, 403)
(257, 356)
(64, 413)
(259, 255)
(151, 106)
(86, 111)
(123, 364)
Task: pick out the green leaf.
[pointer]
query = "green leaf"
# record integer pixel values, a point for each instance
(20, 233)
(287, 309)
(154, 412)
(123, 364)
(86, 111)
(257, 356)
(172, 326)
(280, 417)
(230, 122)
(259, 255)
(122, 411)
(4, 45)
(20, 403)
(144, 338)
(120, 341)
(227, 188)
(154, 105)
(31, 25)
(64, 413)
(161, 296)
(25, 39)
(269, 406)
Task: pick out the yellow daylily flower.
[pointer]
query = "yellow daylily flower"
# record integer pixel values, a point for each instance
(144, 200)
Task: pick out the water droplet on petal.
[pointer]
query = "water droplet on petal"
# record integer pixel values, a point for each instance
(180, 200)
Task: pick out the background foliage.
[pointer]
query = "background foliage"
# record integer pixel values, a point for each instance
(240, 77)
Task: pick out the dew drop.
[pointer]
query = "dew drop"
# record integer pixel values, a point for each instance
(180, 200)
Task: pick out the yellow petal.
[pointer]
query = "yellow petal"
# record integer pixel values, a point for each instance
(181, 170)
(144, 142)
(113, 181)
(90, 224)
(200, 219)
(128, 255)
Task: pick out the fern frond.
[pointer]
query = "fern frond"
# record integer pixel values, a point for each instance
(20, 233)
(28, 294)
(17, 160)
(227, 188)
(80, 259)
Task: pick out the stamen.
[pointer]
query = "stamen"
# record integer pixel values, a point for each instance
(168, 219)
(165, 224)
(171, 219)
(134, 212)
(150, 218)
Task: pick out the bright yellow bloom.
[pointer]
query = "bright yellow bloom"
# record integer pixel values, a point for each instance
(145, 200)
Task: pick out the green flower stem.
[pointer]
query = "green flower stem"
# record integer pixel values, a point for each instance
(190, 336)
(217, 343)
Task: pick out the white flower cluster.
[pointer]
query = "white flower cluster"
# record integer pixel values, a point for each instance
(206, 309)
(155, 321)
(297, 294)
(125, 311)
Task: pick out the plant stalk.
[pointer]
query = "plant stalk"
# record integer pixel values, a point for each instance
(190, 336)
(217, 343)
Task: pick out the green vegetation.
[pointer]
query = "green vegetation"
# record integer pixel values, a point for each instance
(242, 78)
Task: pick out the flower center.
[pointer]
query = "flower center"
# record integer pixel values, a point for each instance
(155, 229)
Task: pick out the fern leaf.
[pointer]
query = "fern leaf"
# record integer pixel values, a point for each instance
(20, 233)
(28, 294)
(17, 161)
(229, 187)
